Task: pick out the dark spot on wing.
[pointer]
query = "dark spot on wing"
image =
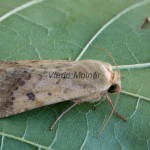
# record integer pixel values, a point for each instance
(50, 94)
(31, 96)
(8, 103)
(43, 67)
(16, 88)
(20, 82)
(26, 75)
(13, 98)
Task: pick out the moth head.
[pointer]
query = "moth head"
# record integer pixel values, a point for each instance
(116, 83)
(114, 79)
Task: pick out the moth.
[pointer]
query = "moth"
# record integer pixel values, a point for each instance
(29, 84)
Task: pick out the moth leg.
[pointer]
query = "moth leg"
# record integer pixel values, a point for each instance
(63, 113)
(111, 104)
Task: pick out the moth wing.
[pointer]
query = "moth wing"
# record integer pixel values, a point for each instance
(25, 85)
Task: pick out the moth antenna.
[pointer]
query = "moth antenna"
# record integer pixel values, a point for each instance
(109, 55)
(104, 126)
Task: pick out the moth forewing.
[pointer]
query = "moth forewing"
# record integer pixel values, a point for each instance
(25, 85)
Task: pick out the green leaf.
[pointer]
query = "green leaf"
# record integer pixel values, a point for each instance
(42, 29)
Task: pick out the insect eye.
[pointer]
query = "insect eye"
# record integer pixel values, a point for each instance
(113, 88)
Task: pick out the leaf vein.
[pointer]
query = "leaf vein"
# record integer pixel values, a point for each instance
(23, 140)
(136, 95)
(17, 9)
(133, 66)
